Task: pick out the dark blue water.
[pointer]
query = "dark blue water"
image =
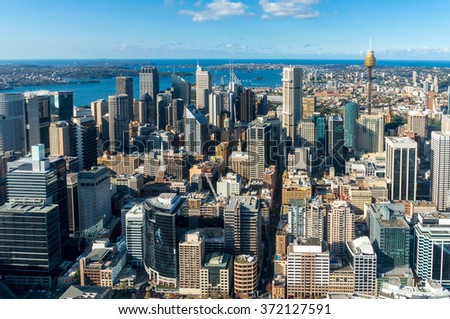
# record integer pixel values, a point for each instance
(88, 92)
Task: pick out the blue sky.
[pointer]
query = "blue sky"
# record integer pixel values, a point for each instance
(300, 29)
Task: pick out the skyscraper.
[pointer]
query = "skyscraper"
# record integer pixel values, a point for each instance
(440, 170)
(99, 108)
(84, 140)
(94, 200)
(432, 248)
(161, 253)
(192, 255)
(124, 85)
(59, 139)
(119, 118)
(389, 235)
(72, 203)
(258, 147)
(37, 111)
(308, 269)
(149, 81)
(195, 130)
(30, 245)
(309, 106)
(12, 122)
(340, 226)
(248, 105)
(350, 116)
(370, 133)
(215, 109)
(135, 230)
(181, 89)
(62, 103)
(335, 143)
(363, 259)
(292, 102)
(242, 226)
(401, 168)
(203, 87)
(417, 123)
(39, 181)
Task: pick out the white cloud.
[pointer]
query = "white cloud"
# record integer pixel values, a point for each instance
(300, 9)
(216, 10)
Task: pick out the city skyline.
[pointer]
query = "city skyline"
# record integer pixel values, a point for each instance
(305, 29)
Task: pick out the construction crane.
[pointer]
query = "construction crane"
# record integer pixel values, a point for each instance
(211, 186)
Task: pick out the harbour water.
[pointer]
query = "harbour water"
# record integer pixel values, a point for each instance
(87, 92)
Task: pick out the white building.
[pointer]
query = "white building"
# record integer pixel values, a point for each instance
(308, 269)
(292, 102)
(134, 221)
(363, 259)
(432, 247)
(395, 290)
(230, 185)
(440, 169)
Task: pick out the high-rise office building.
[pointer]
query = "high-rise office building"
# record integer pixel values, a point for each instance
(440, 170)
(292, 102)
(309, 105)
(72, 203)
(94, 200)
(195, 130)
(124, 85)
(61, 102)
(321, 133)
(432, 248)
(203, 87)
(30, 244)
(242, 225)
(308, 269)
(12, 122)
(258, 147)
(389, 235)
(39, 181)
(370, 132)
(192, 255)
(363, 259)
(149, 82)
(99, 108)
(176, 120)
(401, 168)
(216, 107)
(335, 143)
(307, 133)
(119, 119)
(163, 112)
(37, 115)
(445, 123)
(59, 138)
(161, 253)
(340, 226)
(84, 140)
(248, 105)
(135, 230)
(305, 220)
(417, 123)
(181, 89)
(350, 115)
(217, 275)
